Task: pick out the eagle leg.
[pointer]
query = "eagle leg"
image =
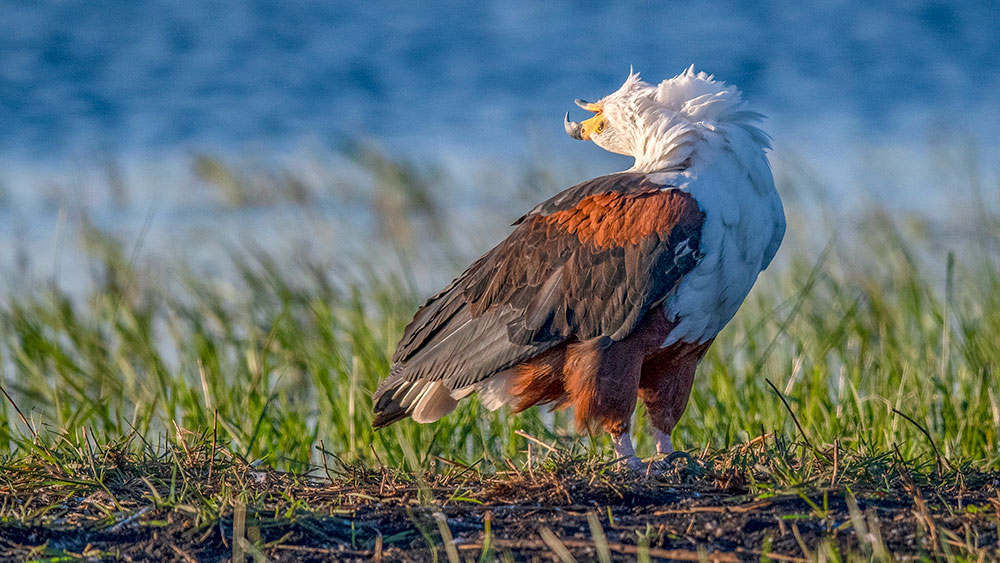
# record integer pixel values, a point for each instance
(625, 453)
(665, 385)
(602, 381)
(663, 443)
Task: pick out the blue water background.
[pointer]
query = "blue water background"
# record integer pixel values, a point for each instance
(126, 75)
(854, 90)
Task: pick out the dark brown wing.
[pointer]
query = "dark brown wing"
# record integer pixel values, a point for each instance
(589, 262)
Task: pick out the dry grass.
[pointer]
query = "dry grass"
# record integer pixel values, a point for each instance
(197, 502)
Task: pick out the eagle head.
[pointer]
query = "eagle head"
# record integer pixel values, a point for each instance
(658, 125)
(613, 125)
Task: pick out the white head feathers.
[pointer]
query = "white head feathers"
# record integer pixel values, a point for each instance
(661, 125)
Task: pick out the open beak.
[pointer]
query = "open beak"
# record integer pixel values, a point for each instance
(581, 131)
(573, 128)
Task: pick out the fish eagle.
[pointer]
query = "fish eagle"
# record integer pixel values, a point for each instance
(612, 290)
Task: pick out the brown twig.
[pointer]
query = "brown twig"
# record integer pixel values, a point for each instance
(183, 554)
(660, 553)
(527, 436)
(802, 544)
(836, 461)
(921, 512)
(215, 432)
(180, 439)
(513, 468)
(720, 509)
(322, 454)
(326, 551)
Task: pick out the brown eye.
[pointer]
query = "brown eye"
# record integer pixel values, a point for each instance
(600, 127)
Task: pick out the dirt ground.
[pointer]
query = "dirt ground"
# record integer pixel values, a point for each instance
(551, 514)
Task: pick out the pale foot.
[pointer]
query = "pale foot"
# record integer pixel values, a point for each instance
(627, 460)
(665, 457)
(625, 453)
(653, 467)
(632, 465)
(663, 443)
(663, 462)
(671, 464)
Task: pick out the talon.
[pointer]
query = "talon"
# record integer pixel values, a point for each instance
(632, 464)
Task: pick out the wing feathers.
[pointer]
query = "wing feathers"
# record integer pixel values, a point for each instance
(591, 261)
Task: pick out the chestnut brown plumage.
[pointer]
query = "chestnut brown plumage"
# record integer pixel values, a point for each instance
(578, 273)
(613, 290)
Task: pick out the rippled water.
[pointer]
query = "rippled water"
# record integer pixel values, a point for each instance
(125, 75)
(848, 86)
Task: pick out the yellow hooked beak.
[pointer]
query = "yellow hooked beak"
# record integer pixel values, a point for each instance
(584, 130)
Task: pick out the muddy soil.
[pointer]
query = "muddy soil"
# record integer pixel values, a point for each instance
(364, 517)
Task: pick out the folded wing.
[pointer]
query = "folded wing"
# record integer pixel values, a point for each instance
(589, 262)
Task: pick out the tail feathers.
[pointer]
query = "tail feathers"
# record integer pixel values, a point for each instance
(494, 392)
(387, 411)
(425, 401)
